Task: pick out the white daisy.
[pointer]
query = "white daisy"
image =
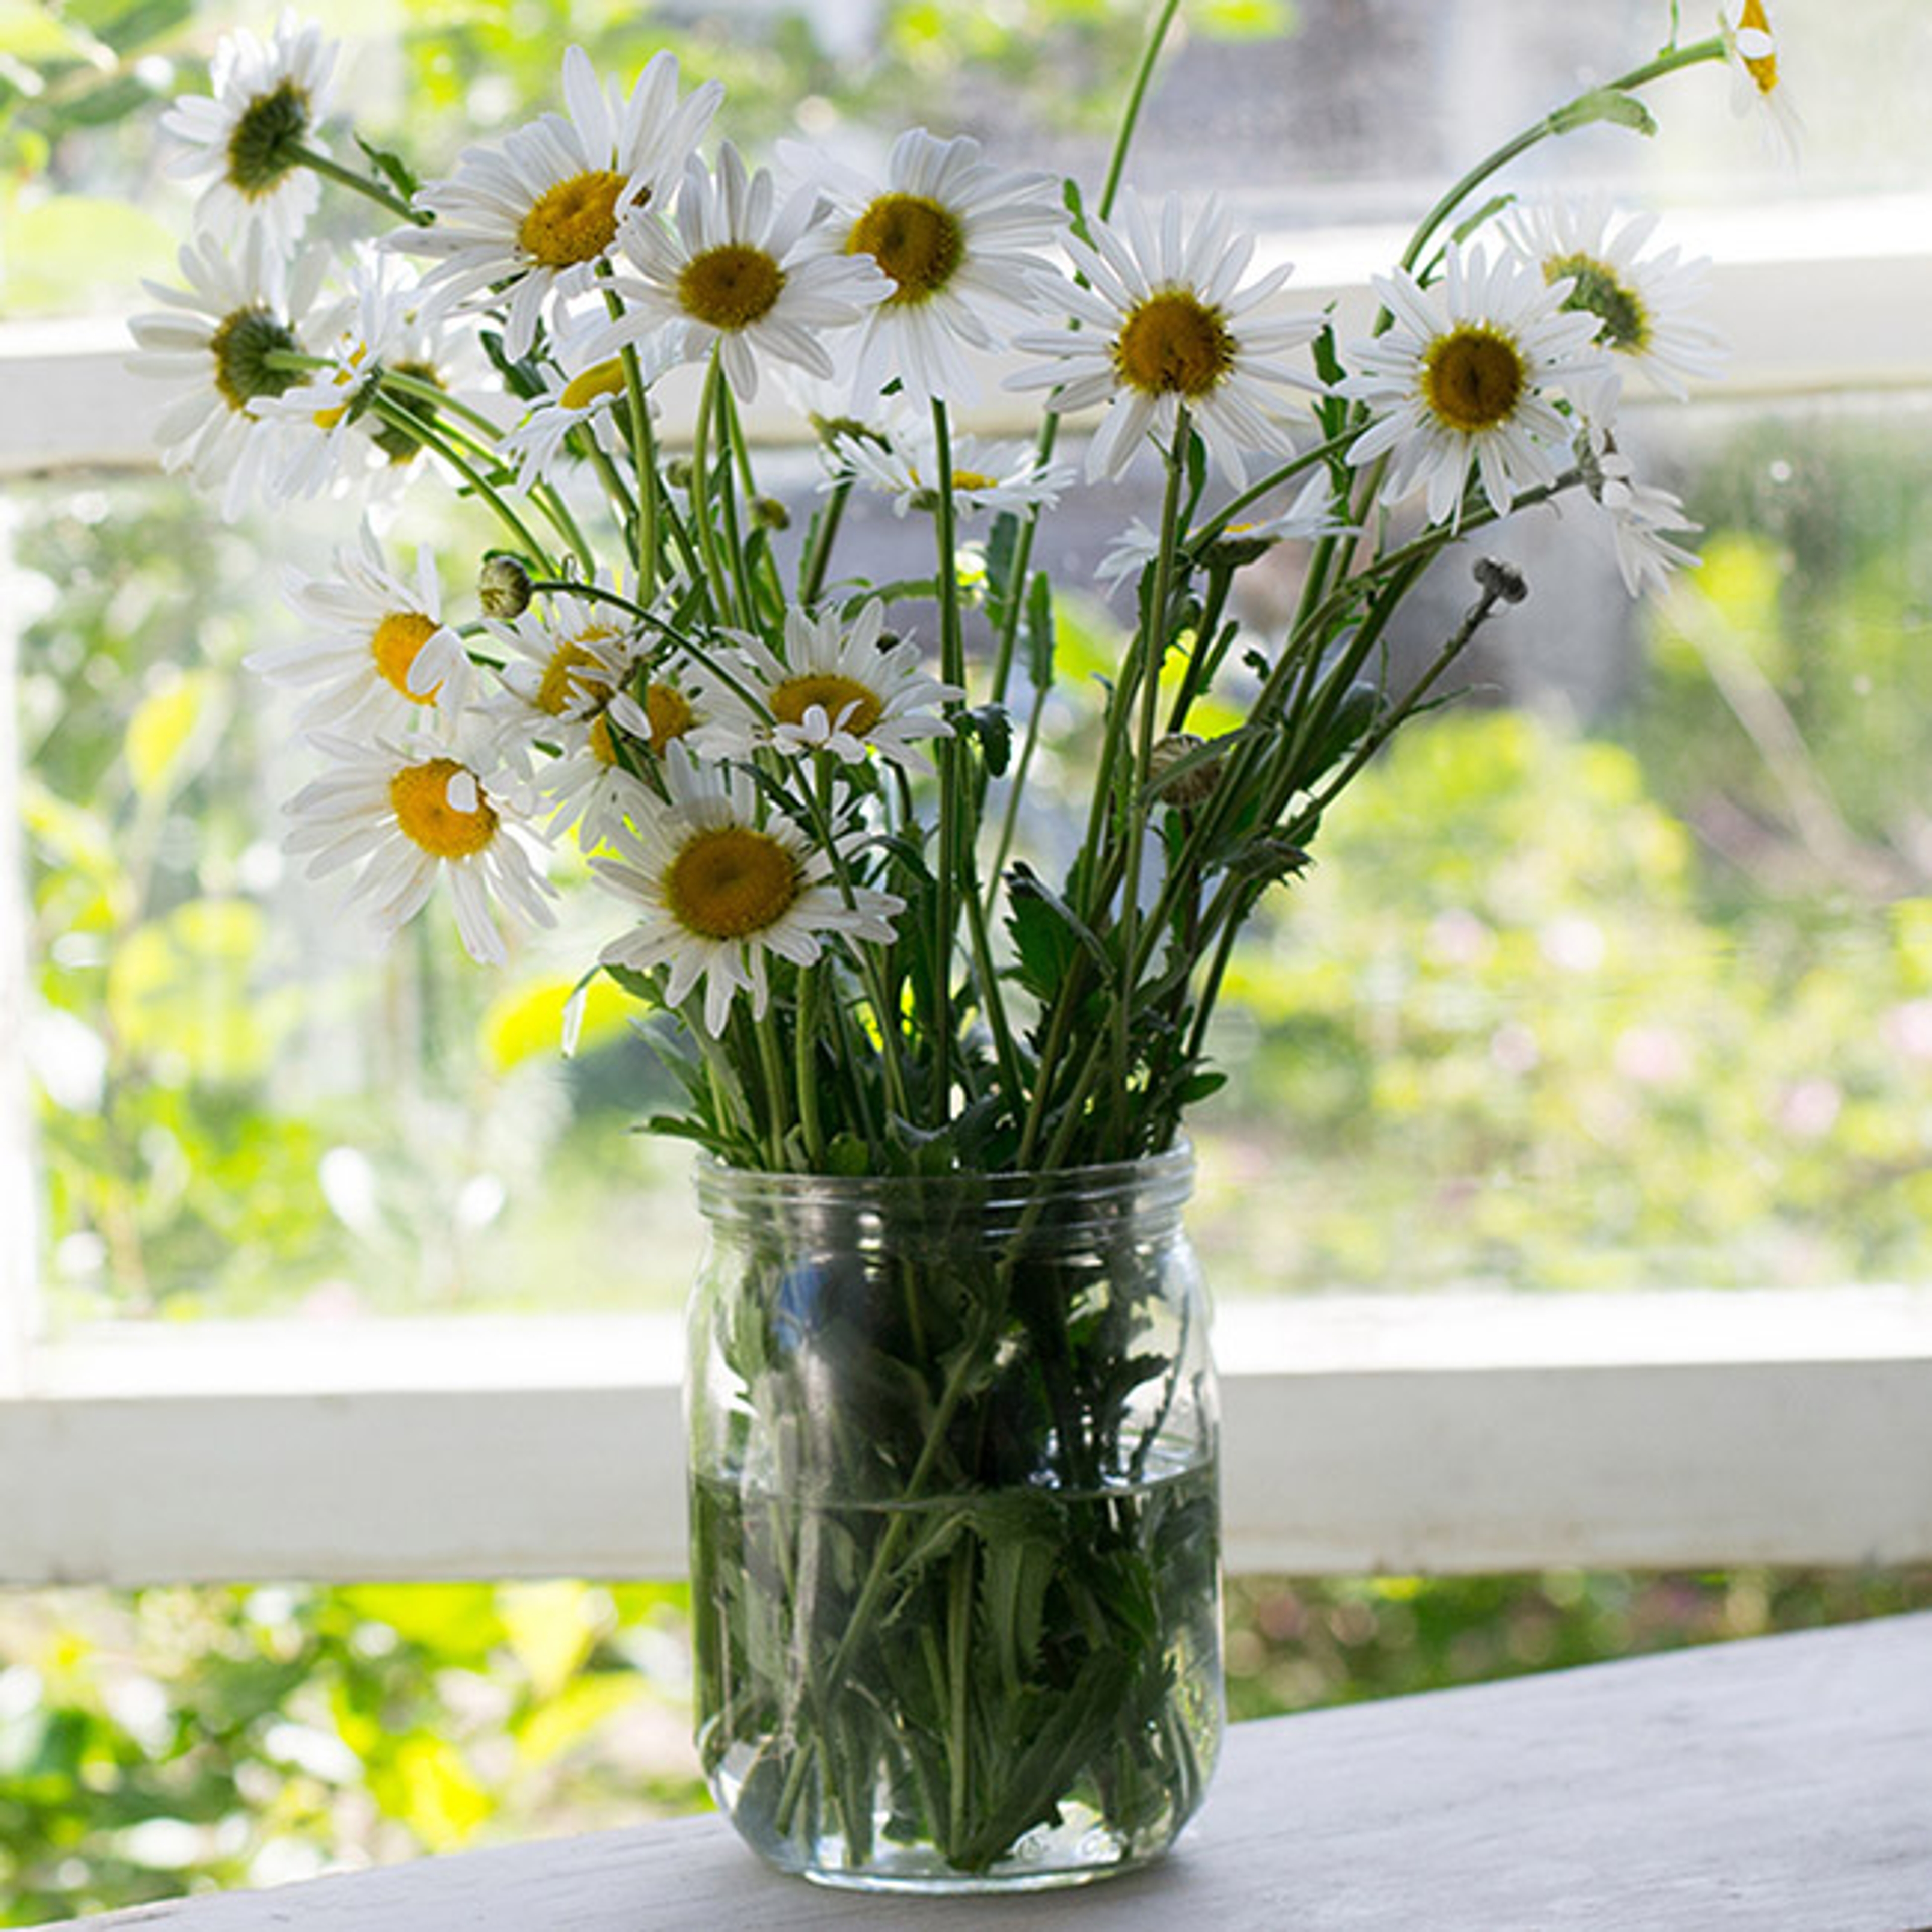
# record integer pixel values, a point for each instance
(717, 886)
(1167, 324)
(1641, 303)
(380, 659)
(542, 209)
(584, 388)
(264, 104)
(835, 690)
(1311, 515)
(1466, 374)
(331, 442)
(1641, 519)
(985, 476)
(409, 815)
(216, 339)
(742, 273)
(955, 237)
(1750, 46)
(594, 786)
(568, 660)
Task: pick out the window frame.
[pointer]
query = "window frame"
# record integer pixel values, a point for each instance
(1443, 1432)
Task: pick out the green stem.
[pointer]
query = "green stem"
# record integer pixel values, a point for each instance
(415, 426)
(309, 157)
(818, 558)
(948, 755)
(701, 490)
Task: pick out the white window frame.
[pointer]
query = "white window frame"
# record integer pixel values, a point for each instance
(1445, 1432)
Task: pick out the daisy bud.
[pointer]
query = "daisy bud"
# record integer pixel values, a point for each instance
(677, 473)
(503, 587)
(769, 513)
(1194, 786)
(1500, 579)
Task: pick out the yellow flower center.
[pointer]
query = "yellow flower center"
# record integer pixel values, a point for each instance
(670, 712)
(915, 240)
(1473, 378)
(790, 701)
(398, 639)
(327, 419)
(419, 795)
(729, 287)
(731, 881)
(564, 684)
(1173, 344)
(606, 379)
(575, 221)
(1762, 70)
(603, 745)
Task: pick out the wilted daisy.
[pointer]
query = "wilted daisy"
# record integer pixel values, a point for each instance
(250, 131)
(1642, 303)
(717, 886)
(1641, 520)
(1169, 325)
(541, 210)
(835, 689)
(380, 658)
(567, 661)
(955, 235)
(1311, 515)
(738, 271)
(904, 465)
(408, 815)
(1750, 46)
(1466, 374)
(218, 341)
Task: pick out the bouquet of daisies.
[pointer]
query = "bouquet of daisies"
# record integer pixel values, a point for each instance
(802, 786)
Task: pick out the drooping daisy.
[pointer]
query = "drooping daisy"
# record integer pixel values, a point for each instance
(568, 659)
(410, 814)
(380, 659)
(264, 105)
(584, 388)
(594, 786)
(1167, 324)
(541, 210)
(1311, 515)
(904, 465)
(1467, 374)
(217, 339)
(740, 272)
(956, 236)
(1757, 86)
(1641, 520)
(717, 886)
(1641, 304)
(835, 689)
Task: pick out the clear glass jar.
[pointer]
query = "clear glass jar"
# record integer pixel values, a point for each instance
(955, 1540)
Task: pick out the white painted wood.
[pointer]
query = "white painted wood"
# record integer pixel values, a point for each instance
(1441, 1433)
(18, 1291)
(1778, 1785)
(1784, 279)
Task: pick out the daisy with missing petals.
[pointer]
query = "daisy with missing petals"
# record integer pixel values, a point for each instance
(219, 340)
(566, 664)
(542, 210)
(1466, 374)
(1642, 303)
(904, 465)
(254, 130)
(409, 815)
(955, 237)
(835, 690)
(1168, 324)
(717, 887)
(738, 272)
(380, 659)
(584, 388)
(1641, 520)
(1750, 46)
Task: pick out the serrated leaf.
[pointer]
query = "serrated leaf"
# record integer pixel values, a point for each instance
(994, 730)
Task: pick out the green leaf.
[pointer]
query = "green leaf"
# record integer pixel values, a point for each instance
(1606, 104)
(391, 167)
(1048, 936)
(994, 730)
(1039, 633)
(1488, 211)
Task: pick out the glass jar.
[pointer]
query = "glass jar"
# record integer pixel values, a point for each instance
(955, 1540)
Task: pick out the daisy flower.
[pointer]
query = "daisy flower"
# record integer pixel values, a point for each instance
(904, 465)
(954, 236)
(592, 786)
(835, 690)
(740, 272)
(542, 210)
(1311, 515)
(1169, 325)
(718, 887)
(1639, 518)
(1750, 46)
(1464, 375)
(583, 388)
(216, 340)
(250, 131)
(567, 663)
(1642, 303)
(409, 814)
(380, 659)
